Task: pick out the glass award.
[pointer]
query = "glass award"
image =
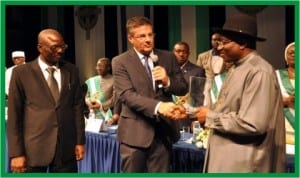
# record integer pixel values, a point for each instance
(196, 91)
(199, 94)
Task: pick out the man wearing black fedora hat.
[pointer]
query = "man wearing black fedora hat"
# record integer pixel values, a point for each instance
(247, 131)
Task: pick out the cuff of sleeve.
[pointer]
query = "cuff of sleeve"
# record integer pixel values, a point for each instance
(156, 109)
(168, 84)
(210, 118)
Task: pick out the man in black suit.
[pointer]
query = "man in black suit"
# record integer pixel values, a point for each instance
(145, 137)
(182, 52)
(45, 128)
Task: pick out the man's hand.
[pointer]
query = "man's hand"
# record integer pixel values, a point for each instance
(289, 101)
(172, 111)
(94, 105)
(18, 164)
(79, 152)
(113, 120)
(159, 73)
(201, 113)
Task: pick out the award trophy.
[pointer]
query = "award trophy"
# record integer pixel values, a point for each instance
(199, 94)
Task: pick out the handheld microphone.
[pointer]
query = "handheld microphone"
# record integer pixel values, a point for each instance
(154, 58)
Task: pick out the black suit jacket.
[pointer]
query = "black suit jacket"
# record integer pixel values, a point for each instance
(138, 124)
(190, 69)
(35, 121)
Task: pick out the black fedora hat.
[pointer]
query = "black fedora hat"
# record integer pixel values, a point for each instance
(243, 25)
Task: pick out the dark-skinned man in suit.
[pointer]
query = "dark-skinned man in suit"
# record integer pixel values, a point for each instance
(45, 130)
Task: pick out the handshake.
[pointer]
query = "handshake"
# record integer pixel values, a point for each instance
(172, 111)
(179, 112)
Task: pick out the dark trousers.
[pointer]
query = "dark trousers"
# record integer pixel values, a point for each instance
(152, 159)
(57, 165)
(67, 167)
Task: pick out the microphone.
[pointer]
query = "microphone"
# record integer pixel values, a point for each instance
(154, 59)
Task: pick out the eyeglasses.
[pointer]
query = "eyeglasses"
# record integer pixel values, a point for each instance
(56, 47)
(223, 42)
(144, 37)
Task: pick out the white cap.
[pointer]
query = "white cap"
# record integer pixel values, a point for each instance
(17, 54)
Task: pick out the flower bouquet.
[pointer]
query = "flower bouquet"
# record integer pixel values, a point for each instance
(202, 138)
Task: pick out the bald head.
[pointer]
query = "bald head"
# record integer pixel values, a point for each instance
(51, 46)
(48, 35)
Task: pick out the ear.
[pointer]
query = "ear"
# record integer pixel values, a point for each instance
(130, 38)
(39, 47)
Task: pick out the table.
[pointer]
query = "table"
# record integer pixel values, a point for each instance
(186, 157)
(102, 156)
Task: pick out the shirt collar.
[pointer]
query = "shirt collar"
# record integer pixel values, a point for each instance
(140, 55)
(44, 66)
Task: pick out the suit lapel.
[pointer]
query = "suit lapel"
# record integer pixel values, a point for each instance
(65, 81)
(41, 79)
(137, 63)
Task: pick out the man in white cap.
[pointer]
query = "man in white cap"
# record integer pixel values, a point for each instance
(18, 57)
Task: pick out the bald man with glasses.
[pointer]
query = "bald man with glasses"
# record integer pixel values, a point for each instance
(45, 125)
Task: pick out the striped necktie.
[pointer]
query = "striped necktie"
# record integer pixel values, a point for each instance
(147, 67)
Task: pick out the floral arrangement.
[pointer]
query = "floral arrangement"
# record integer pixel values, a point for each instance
(202, 138)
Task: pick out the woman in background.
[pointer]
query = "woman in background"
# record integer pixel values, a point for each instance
(286, 78)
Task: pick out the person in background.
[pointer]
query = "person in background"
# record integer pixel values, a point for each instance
(45, 126)
(145, 131)
(100, 94)
(218, 81)
(213, 64)
(211, 60)
(116, 111)
(182, 51)
(247, 123)
(286, 78)
(18, 58)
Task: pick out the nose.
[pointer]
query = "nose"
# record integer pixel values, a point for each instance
(220, 46)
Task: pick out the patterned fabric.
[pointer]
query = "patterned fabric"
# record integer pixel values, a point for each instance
(146, 65)
(287, 87)
(96, 94)
(224, 86)
(217, 84)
